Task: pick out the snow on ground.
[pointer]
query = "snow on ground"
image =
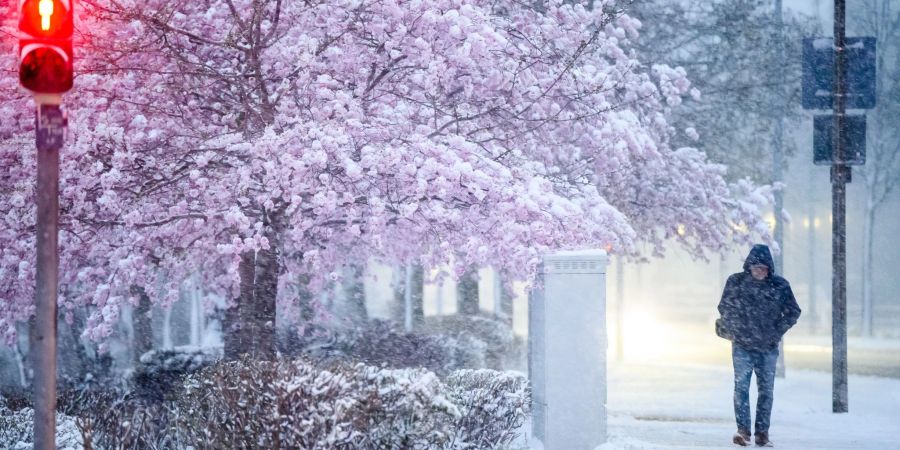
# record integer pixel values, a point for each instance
(669, 406)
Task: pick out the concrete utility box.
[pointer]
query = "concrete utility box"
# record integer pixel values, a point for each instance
(567, 351)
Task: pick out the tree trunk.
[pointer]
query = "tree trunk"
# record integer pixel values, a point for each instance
(307, 311)
(196, 313)
(868, 314)
(72, 360)
(398, 308)
(811, 253)
(231, 331)
(506, 304)
(23, 361)
(355, 293)
(142, 324)
(620, 306)
(417, 294)
(167, 328)
(265, 293)
(467, 293)
(409, 292)
(241, 315)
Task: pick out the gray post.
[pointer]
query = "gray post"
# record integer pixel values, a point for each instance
(840, 176)
(50, 126)
(567, 351)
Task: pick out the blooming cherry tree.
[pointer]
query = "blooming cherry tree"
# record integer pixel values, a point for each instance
(258, 142)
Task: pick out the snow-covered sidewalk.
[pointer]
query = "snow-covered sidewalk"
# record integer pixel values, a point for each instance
(657, 406)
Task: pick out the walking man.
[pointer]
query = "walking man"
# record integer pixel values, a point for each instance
(757, 308)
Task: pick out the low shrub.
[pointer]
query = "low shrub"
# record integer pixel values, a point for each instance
(258, 404)
(17, 429)
(493, 407)
(294, 404)
(110, 417)
(383, 343)
(486, 341)
(161, 371)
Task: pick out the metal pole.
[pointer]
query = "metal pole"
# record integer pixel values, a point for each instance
(50, 126)
(778, 162)
(840, 176)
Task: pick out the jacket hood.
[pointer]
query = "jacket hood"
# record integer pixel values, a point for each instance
(760, 254)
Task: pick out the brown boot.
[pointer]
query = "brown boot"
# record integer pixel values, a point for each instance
(762, 439)
(741, 438)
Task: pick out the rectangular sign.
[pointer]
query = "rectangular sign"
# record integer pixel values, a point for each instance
(818, 73)
(854, 138)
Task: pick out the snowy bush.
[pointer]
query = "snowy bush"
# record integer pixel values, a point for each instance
(112, 418)
(258, 404)
(295, 404)
(382, 343)
(16, 430)
(232, 405)
(493, 407)
(160, 371)
(404, 409)
(482, 341)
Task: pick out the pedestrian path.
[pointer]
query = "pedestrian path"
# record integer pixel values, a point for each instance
(667, 406)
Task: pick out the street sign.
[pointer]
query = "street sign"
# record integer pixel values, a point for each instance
(854, 137)
(50, 127)
(818, 73)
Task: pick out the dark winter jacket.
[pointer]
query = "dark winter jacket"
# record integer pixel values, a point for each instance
(757, 313)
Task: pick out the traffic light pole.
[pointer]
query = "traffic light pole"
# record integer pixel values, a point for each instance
(50, 127)
(840, 176)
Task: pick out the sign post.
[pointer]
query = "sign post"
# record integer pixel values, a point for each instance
(839, 73)
(840, 176)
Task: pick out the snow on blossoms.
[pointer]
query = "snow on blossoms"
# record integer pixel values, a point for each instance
(284, 139)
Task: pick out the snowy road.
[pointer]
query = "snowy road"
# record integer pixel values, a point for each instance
(657, 406)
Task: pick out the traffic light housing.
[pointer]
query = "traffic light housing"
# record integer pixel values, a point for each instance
(45, 45)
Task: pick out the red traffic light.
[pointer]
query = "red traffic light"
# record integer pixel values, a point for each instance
(46, 18)
(45, 45)
(46, 68)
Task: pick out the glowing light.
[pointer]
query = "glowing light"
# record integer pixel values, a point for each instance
(644, 335)
(770, 219)
(681, 230)
(45, 9)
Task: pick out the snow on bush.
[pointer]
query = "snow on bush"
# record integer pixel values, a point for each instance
(485, 342)
(405, 408)
(110, 417)
(179, 359)
(16, 432)
(493, 407)
(161, 370)
(259, 404)
(384, 343)
(293, 404)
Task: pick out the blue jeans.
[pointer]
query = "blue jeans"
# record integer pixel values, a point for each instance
(745, 363)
